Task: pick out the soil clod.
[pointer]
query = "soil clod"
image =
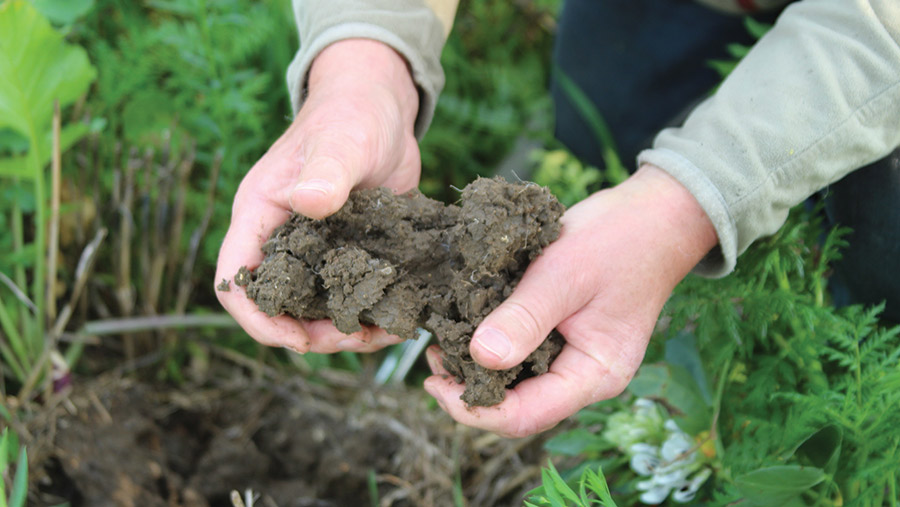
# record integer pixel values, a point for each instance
(403, 262)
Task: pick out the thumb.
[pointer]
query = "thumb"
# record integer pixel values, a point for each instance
(521, 323)
(324, 185)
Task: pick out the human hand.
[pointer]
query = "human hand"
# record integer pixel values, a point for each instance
(354, 130)
(602, 284)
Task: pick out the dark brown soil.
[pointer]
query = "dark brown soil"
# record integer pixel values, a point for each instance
(120, 442)
(403, 262)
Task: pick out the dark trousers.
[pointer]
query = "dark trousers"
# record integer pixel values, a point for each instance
(643, 64)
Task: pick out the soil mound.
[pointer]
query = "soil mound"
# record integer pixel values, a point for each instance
(407, 261)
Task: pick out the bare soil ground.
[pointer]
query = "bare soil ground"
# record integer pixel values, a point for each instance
(118, 441)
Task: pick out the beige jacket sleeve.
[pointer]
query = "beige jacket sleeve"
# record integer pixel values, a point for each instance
(817, 97)
(417, 29)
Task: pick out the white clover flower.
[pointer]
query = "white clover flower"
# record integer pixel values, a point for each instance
(644, 422)
(660, 451)
(686, 491)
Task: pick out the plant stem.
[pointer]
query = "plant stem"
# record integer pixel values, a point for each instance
(18, 234)
(53, 249)
(39, 281)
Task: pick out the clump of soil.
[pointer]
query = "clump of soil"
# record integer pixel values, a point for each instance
(407, 261)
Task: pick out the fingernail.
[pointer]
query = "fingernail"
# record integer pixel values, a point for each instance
(323, 187)
(494, 341)
(293, 348)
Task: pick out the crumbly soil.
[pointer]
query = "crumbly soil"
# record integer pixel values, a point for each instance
(404, 262)
(121, 442)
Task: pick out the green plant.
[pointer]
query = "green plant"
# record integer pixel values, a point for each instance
(37, 70)
(16, 484)
(198, 77)
(496, 63)
(791, 399)
(556, 492)
(565, 176)
(614, 170)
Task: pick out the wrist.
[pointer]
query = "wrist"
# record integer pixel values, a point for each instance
(678, 227)
(353, 67)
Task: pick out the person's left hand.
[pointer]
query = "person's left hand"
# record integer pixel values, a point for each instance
(602, 284)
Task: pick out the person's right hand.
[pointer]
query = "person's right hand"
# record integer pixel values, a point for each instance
(354, 130)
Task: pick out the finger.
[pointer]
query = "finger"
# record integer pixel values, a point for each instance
(331, 162)
(326, 339)
(536, 404)
(242, 247)
(539, 302)
(324, 186)
(435, 361)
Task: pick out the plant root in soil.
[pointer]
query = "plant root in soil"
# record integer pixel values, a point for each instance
(401, 262)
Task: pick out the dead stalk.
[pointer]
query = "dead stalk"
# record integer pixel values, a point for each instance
(184, 172)
(124, 290)
(85, 267)
(187, 269)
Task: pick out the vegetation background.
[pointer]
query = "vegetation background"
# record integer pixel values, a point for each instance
(116, 203)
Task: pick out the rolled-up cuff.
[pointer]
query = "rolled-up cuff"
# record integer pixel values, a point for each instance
(720, 261)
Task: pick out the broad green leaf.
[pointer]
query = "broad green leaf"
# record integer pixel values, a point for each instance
(15, 167)
(822, 448)
(575, 442)
(675, 385)
(682, 350)
(12, 142)
(37, 67)
(63, 12)
(778, 484)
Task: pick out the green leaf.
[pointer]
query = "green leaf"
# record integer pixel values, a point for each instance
(596, 482)
(822, 448)
(4, 451)
(575, 442)
(550, 489)
(778, 484)
(675, 385)
(591, 115)
(737, 50)
(682, 350)
(12, 142)
(560, 485)
(756, 28)
(37, 67)
(15, 167)
(63, 12)
(20, 482)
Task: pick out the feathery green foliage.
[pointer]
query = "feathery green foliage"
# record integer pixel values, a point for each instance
(496, 63)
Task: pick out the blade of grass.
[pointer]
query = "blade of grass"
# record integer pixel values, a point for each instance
(20, 482)
(15, 338)
(21, 296)
(615, 172)
(372, 482)
(18, 236)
